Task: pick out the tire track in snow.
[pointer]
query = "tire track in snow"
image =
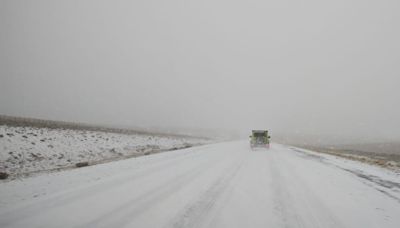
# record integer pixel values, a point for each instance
(126, 212)
(282, 199)
(194, 214)
(291, 195)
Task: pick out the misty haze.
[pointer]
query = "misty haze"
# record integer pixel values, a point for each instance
(199, 113)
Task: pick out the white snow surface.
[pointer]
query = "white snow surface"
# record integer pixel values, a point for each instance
(216, 185)
(30, 149)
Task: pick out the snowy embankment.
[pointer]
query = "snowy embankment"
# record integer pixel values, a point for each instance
(25, 150)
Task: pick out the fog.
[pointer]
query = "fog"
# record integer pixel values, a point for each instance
(325, 68)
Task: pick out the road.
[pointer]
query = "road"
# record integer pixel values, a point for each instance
(218, 185)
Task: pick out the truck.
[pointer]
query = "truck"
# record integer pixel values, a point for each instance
(259, 139)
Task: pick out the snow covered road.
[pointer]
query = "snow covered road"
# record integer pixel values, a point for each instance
(218, 185)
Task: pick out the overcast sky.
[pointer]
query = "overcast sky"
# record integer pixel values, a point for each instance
(311, 66)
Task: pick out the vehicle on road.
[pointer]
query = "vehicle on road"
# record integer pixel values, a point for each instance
(259, 139)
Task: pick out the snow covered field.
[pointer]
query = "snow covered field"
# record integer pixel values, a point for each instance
(31, 149)
(216, 185)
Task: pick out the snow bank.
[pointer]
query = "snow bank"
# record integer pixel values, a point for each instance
(30, 149)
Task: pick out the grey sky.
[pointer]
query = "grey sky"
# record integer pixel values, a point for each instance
(312, 66)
